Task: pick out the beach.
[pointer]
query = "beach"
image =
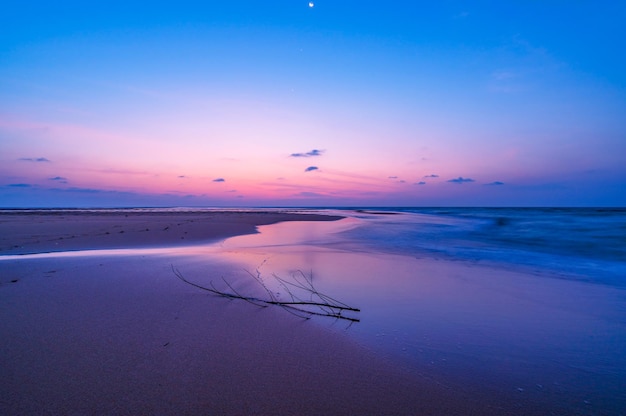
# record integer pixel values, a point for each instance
(40, 231)
(94, 321)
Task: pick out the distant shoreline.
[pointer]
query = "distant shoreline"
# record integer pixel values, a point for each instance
(61, 230)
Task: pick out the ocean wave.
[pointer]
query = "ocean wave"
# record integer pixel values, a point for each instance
(583, 243)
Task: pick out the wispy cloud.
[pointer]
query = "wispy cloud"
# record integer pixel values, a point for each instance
(311, 168)
(461, 179)
(396, 179)
(34, 159)
(219, 180)
(314, 152)
(59, 179)
(19, 185)
(495, 183)
(90, 191)
(420, 183)
(431, 176)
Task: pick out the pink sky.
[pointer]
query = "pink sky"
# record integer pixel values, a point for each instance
(155, 111)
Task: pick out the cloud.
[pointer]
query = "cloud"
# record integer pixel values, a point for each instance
(34, 159)
(461, 179)
(19, 185)
(431, 176)
(396, 180)
(314, 152)
(420, 183)
(495, 183)
(59, 179)
(90, 191)
(219, 180)
(181, 176)
(311, 168)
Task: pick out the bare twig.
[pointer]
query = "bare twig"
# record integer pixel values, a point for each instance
(317, 304)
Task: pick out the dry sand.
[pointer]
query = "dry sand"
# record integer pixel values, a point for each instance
(121, 335)
(46, 231)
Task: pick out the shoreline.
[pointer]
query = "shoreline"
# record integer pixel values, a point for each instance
(53, 231)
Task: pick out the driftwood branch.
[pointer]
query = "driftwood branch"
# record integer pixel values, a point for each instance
(305, 301)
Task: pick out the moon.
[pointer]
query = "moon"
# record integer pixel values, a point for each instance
(311, 4)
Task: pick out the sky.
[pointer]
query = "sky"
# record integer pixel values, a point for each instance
(328, 103)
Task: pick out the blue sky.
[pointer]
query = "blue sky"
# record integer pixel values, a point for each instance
(401, 103)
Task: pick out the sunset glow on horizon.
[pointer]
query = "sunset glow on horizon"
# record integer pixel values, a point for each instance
(280, 103)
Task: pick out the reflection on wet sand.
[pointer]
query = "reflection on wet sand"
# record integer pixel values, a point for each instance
(516, 334)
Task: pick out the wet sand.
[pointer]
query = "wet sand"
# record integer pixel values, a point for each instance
(124, 336)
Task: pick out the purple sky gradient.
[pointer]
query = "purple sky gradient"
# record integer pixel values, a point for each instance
(148, 104)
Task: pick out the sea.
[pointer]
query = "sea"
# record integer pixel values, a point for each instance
(575, 243)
